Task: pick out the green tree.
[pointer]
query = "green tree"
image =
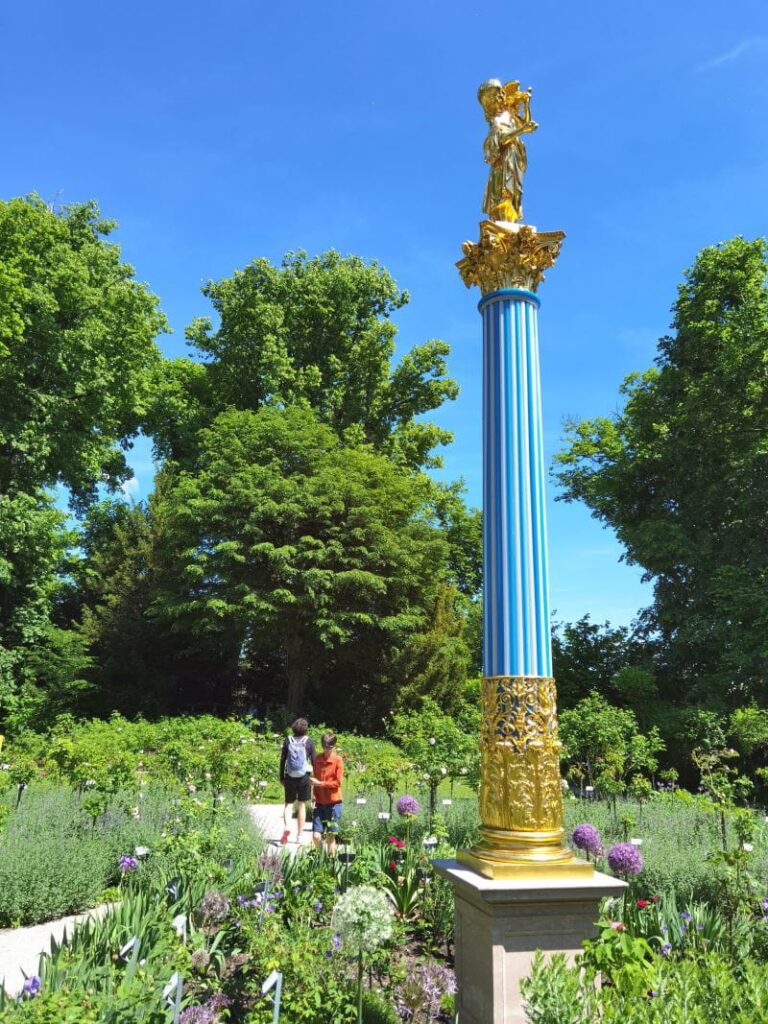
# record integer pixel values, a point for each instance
(437, 745)
(680, 475)
(290, 540)
(40, 665)
(314, 332)
(587, 656)
(603, 746)
(77, 350)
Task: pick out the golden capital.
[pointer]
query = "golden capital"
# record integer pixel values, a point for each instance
(509, 256)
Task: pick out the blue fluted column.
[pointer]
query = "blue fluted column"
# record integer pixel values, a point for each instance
(516, 627)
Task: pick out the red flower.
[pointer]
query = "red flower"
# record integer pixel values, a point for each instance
(393, 839)
(642, 904)
(392, 865)
(655, 899)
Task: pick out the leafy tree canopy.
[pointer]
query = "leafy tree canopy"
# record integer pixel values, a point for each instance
(296, 541)
(314, 332)
(77, 350)
(681, 475)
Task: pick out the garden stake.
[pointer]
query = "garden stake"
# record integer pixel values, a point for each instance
(275, 980)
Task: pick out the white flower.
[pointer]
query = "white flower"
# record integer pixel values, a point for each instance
(135, 813)
(363, 917)
(636, 842)
(208, 776)
(748, 847)
(141, 851)
(432, 741)
(443, 771)
(262, 784)
(426, 775)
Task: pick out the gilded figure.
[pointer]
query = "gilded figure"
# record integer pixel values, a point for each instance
(507, 110)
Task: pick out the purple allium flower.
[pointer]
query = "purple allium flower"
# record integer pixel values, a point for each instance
(666, 949)
(31, 987)
(586, 837)
(206, 1014)
(625, 859)
(408, 806)
(214, 907)
(127, 863)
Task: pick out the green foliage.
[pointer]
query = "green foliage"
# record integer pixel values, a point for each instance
(707, 990)
(438, 745)
(66, 297)
(602, 745)
(57, 855)
(588, 656)
(314, 333)
(285, 539)
(679, 474)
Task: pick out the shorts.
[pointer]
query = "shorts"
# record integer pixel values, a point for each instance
(326, 817)
(297, 789)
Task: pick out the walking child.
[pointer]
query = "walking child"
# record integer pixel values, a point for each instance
(327, 778)
(296, 760)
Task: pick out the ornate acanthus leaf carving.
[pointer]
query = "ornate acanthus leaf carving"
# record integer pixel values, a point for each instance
(520, 785)
(509, 256)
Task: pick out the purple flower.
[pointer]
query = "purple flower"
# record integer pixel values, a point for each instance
(127, 863)
(764, 905)
(31, 987)
(336, 940)
(625, 859)
(318, 906)
(206, 1014)
(685, 916)
(408, 806)
(666, 949)
(586, 837)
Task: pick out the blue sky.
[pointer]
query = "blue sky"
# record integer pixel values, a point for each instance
(216, 133)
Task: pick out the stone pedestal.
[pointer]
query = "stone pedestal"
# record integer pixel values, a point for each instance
(501, 923)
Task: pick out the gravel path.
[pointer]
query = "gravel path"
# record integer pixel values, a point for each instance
(269, 818)
(20, 948)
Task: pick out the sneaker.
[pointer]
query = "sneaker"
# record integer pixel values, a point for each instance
(284, 837)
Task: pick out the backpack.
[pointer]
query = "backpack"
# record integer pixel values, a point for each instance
(296, 762)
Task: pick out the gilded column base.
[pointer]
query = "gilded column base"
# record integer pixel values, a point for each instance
(501, 854)
(521, 801)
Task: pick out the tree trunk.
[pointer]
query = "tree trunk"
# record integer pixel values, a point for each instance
(296, 674)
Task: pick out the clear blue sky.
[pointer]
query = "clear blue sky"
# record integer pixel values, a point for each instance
(217, 132)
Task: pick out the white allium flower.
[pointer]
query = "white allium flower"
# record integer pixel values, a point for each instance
(443, 771)
(363, 917)
(432, 741)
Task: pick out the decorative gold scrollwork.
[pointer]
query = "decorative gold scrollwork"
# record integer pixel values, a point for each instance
(520, 787)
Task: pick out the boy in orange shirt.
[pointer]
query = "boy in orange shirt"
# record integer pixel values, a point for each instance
(327, 777)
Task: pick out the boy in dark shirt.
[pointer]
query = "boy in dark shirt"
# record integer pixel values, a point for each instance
(296, 760)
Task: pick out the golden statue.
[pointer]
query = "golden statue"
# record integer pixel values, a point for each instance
(507, 110)
(508, 254)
